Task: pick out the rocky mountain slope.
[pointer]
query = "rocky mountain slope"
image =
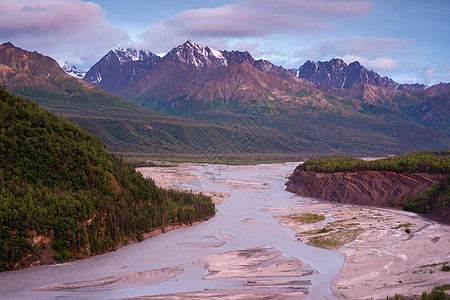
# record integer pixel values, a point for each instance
(119, 68)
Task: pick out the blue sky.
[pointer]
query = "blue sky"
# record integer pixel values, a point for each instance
(407, 40)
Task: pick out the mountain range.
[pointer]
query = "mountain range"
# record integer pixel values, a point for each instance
(320, 103)
(336, 73)
(237, 104)
(121, 125)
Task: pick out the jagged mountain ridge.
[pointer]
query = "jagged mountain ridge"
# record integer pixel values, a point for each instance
(336, 73)
(188, 57)
(259, 112)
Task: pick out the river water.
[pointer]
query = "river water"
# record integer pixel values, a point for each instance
(243, 221)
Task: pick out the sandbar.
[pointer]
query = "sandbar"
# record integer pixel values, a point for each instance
(387, 251)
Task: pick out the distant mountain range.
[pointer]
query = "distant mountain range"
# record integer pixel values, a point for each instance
(126, 77)
(122, 125)
(317, 103)
(130, 75)
(336, 73)
(266, 108)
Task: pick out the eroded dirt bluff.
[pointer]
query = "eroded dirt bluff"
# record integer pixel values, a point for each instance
(375, 188)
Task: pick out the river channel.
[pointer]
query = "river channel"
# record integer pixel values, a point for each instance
(184, 260)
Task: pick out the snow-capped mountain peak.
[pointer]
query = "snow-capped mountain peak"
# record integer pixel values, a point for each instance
(125, 64)
(74, 71)
(195, 55)
(128, 54)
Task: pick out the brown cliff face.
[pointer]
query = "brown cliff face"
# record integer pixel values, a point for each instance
(374, 188)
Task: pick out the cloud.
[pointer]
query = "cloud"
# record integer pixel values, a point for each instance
(70, 30)
(430, 74)
(251, 19)
(367, 46)
(378, 64)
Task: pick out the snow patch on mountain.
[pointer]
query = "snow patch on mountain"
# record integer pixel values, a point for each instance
(128, 54)
(215, 52)
(73, 71)
(195, 55)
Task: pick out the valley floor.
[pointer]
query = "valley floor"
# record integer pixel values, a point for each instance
(387, 251)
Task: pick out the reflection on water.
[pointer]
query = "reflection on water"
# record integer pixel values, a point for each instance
(190, 259)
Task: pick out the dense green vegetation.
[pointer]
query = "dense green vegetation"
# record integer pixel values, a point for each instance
(432, 162)
(419, 162)
(58, 181)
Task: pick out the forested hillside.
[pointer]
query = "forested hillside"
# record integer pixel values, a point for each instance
(63, 196)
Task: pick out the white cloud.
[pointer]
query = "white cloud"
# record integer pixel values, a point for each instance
(378, 64)
(250, 19)
(367, 46)
(430, 73)
(70, 30)
(383, 63)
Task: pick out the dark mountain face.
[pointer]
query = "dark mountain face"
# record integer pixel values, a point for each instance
(117, 69)
(336, 73)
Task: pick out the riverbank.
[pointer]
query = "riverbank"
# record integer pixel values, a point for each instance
(387, 251)
(170, 177)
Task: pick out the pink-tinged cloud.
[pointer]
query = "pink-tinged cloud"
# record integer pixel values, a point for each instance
(364, 46)
(377, 64)
(252, 19)
(65, 29)
(430, 74)
(383, 63)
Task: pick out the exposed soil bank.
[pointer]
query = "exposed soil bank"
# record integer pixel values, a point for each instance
(374, 188)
